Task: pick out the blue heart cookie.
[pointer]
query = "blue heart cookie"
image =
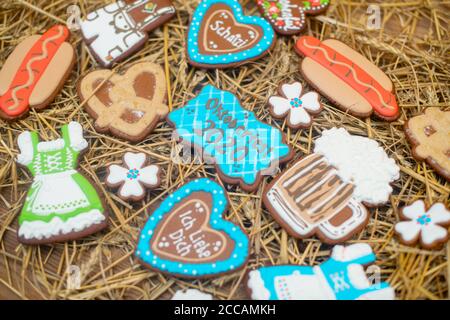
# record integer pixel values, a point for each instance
(242, 147)
(220, 36)
(187, 236)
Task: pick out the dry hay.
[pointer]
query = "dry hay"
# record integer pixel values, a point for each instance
(412, 47)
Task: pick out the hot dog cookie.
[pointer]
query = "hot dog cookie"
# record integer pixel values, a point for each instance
(429, 133)
(358, 86)
(35, 72)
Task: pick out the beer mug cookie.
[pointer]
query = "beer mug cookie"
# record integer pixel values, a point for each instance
(121, 28)
(324, 193)
(127, 105)
(35, 72)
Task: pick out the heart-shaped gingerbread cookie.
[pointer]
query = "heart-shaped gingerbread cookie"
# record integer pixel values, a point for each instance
(220, 36)
(186, 236)
(128, 105)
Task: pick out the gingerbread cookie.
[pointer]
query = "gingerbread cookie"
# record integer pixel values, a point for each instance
(344, 76)
(188, 237)
(429, 134)
(242, 147)
(427, 227)
(294, 105)
(35, 72)
(61, 204)
(288, 17)
(127, 105)
(121, 28)
(221, 36)
(342, 277)
(133, 177)
(324, 193)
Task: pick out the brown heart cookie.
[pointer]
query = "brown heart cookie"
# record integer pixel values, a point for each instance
(221, 36)
(187, 236)
(127, 105)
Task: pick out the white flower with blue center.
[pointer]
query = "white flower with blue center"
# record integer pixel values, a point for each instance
(133, 177)
(296, 106)
(425, 226)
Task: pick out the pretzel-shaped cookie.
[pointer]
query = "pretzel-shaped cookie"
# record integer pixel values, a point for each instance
(127, 105)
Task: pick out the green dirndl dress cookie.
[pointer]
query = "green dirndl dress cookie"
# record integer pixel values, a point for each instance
(61, 204)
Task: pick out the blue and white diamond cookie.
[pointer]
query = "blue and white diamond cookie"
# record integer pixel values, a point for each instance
(221, 36)
(187, 236)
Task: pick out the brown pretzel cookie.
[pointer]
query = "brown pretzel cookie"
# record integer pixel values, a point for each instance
(127, 105)
(429, 134)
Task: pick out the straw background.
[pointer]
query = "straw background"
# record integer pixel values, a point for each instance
(412, 47)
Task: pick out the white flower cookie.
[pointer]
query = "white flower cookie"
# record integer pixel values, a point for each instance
(425, 226)
(133, 177)
(296, 107)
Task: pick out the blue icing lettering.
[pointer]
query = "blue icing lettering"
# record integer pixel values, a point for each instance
(245, 47)
(241, 145)
(174, 239)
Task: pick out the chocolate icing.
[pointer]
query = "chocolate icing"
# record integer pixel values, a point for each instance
(220, 17)
(185, 235)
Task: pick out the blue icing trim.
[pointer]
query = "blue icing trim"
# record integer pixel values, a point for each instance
(330, 280)
(237, 258)
(220, 59)
(241, 145)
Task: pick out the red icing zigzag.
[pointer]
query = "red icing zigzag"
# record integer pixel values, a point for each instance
(16, 100)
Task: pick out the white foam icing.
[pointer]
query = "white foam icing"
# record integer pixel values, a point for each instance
(360, 161)
(191, 294)
(43, 230)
